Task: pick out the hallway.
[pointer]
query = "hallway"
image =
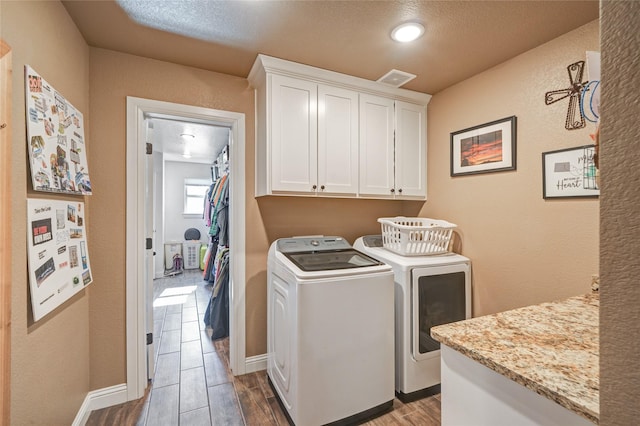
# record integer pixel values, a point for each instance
(192, 374)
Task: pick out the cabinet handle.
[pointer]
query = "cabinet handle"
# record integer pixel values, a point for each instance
(322, 188)
(314, 187)
(400, 190)
(393, 190)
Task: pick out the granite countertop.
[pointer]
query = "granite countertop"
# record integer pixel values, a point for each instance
(551, 348)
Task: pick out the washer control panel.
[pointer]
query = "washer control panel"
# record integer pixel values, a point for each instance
(311, 244)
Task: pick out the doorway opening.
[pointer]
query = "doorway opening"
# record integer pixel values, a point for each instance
(140, 269)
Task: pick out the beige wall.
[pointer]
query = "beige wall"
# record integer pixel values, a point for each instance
(524, 250)
(620, 232)
(115, 76)
(50, 358)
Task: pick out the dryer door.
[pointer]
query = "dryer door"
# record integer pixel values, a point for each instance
(439, 295)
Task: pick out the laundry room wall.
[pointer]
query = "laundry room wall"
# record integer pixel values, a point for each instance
(49, 358)
(524, 249)
(175, 221)
(114, 76)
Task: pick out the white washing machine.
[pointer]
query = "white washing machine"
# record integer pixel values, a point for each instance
(330, 331)
(429, 291)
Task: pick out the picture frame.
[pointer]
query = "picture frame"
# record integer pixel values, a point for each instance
(487, 148)
(569, 173)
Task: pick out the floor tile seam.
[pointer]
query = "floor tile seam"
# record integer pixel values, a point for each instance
(199, 408)
(180, 399)
(192, 368)
(237, 398)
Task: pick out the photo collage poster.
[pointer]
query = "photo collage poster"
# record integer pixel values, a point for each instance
(58, 257)
(55, 138)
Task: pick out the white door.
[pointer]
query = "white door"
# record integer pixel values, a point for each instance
(149, 250)
(410, 149)
(337, 140)
(294, 134)
(376, 146)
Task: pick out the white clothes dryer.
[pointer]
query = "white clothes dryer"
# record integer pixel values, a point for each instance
(330, 355)
(429, 291)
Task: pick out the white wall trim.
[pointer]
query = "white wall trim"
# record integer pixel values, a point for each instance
(135, 264)
(256, 363)
(98, 399)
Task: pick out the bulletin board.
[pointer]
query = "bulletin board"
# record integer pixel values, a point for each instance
(57, 253)
(55, 138)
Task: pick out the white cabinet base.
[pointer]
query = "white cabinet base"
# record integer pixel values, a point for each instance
(475, 395)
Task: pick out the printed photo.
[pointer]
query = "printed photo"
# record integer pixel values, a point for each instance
(41, 231)
(37, 146)
(83, 254)
(71, 213)
(35, 84)
(60, 219)
(73, 256)
(45, 270)
(86, 277)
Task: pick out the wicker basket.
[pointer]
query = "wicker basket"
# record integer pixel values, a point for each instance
(416, 236)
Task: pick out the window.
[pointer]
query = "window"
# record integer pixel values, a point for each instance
(194, 193)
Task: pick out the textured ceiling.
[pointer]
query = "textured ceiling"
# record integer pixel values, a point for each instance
(462, 38)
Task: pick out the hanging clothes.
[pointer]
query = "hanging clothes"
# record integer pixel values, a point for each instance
(217, 312)
(219, 211)
(216, 217)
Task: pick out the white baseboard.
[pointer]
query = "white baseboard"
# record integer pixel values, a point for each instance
(100, 398)
(255, 363)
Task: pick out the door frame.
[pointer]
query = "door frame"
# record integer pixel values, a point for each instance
(135, 234)
(5, 229)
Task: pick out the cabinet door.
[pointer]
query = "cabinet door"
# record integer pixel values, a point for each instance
(376, 146)
(294, 134)
(337, 140)
(411, 150)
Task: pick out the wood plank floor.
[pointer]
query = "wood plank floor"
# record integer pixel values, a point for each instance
(193, 384)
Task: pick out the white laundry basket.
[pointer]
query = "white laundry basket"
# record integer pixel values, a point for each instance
(416, 236)
(191, 254)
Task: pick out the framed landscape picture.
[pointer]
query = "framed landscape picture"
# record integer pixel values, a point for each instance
(486, 148)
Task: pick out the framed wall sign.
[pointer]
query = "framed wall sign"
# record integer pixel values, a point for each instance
(490, 147)
(57, 253)
(55, 139)
(569, 173)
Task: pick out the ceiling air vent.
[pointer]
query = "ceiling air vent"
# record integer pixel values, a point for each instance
(396, 78)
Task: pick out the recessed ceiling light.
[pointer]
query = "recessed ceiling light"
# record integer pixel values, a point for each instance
(408, 31)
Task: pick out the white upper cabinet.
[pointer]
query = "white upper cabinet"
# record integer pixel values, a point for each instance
(294, 134)
(376, 146)
(314, 137)
(337, 140)
(321, 133)
(392, 148)
(410, 150)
